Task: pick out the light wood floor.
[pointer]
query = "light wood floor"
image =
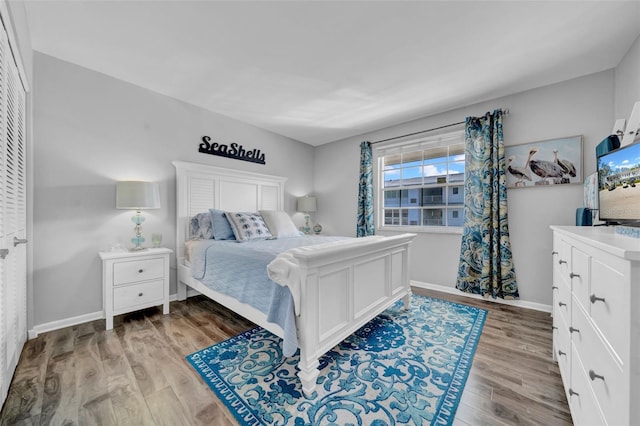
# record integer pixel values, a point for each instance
(136, 374)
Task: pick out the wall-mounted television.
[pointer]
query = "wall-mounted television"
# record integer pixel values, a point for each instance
(619, 185)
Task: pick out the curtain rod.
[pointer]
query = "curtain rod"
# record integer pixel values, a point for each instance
(505, 112)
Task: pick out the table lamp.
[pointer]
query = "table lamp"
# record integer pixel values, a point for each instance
(307, 205)
(137, 195)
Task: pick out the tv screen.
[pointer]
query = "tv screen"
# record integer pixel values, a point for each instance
(619, 184)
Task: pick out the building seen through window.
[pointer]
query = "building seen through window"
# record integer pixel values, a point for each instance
(423, 187)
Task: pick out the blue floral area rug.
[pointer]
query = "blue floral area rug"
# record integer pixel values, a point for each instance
(403, 367)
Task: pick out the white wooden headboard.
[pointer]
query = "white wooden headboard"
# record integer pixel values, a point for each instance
(200, 187)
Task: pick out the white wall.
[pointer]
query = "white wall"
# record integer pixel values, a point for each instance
(627, 82)
(92, 130)
(583, 106)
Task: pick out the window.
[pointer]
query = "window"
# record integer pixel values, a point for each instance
(421, 183)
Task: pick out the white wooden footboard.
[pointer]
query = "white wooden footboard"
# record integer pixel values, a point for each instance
(343, 289)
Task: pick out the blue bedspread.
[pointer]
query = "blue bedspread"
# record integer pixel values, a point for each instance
(239, 270)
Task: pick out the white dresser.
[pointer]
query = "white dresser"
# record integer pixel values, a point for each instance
(596, 323)
(134, 280)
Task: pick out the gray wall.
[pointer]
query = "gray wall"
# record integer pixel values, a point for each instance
(627, 82)
(583, 106)
(92, 130)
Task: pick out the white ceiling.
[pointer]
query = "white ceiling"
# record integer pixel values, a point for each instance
(319, 71)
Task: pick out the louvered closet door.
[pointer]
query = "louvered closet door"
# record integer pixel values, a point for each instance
(13, 288)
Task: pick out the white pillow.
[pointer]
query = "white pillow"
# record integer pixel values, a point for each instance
(279, 223)
(248, 226)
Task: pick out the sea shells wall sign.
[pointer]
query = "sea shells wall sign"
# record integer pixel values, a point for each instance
(550, 162)
(233, 150)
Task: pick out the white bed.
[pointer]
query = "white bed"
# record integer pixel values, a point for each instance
(340, 290)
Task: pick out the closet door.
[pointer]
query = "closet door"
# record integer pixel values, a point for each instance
(13, 286)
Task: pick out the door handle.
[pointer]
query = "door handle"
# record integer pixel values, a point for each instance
(17, 241)
(3, 253)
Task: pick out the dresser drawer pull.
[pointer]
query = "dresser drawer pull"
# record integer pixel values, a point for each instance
(561, 304)
(571, 329)
(595, 299)
(572, 392)
(140, 294)
(140, 271)
(593, 375)
(553, 327)
(572, 275)
(561, 261)
(555, 287)
(560, 353)
(554, 252)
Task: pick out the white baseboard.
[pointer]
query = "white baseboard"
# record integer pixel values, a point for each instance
(67, 322)
(451, 290)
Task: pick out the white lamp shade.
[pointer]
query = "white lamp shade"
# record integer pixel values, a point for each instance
(307, 204)
(136, 195)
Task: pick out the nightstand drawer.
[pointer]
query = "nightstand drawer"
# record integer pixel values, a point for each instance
(137, 270)
(130, 296)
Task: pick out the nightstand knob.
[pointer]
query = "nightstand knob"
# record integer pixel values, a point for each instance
(140, 271)
(139, 294)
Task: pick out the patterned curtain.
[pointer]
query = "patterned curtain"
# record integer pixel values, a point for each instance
(486, 265)
(365, 226)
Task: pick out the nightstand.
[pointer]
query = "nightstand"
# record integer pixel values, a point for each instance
(134, 280)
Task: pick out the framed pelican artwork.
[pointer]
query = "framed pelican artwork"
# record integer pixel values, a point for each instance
(550, 162)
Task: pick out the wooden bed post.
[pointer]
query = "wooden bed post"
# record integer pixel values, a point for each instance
(308, 374)
(406, 300)
(406, 267)
(182, 290)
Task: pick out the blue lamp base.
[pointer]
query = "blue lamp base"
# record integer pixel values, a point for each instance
(307, 225)
(138, 239)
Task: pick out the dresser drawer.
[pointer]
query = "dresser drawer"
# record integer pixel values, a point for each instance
(564, 262)
(611, 316)
(582, 402)
(137, 270)
(579, 276)
(610, 390)
(129, 296)
(562, 302)
(562, 346)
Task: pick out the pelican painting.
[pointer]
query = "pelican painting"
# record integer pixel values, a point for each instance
(520, 173)
(566, 165)
(543, 168)
(549, 163)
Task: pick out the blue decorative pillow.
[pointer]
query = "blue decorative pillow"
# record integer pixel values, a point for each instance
(248, 226)
(221, 227)
(200, 227)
